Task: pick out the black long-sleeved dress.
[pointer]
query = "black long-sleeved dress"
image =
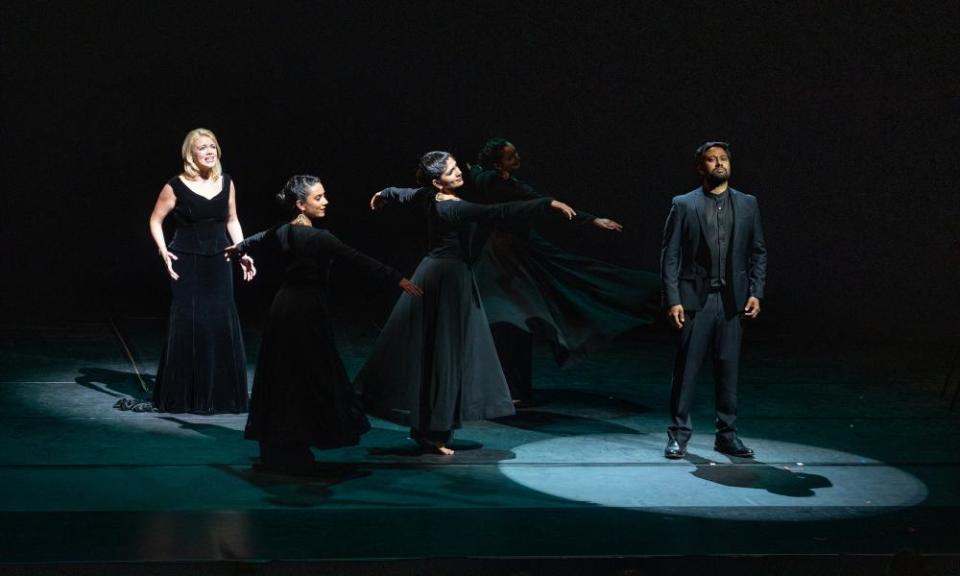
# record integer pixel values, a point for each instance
(301, 391)
(434, 365)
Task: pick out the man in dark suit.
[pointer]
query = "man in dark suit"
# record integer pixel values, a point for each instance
(713, 264)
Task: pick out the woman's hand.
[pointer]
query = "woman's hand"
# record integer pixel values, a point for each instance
(410, 288)
(247, 267)
(246, 262)
(168, 259)
(231, 252)
(377, 201)
(607, 224)
(564, 208)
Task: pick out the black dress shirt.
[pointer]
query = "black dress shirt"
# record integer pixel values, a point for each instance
(719, 231)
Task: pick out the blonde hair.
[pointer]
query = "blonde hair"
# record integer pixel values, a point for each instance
(190, 168)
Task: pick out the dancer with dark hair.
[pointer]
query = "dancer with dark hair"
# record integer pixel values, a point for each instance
(530, 286)
(203, 368)
(435, 365)
(301, 393)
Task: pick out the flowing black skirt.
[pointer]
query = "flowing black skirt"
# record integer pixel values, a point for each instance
(301, 391)
(203, 368)
(434, 365)
(577, 303)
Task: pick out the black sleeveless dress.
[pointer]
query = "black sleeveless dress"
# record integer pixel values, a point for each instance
(202, 367)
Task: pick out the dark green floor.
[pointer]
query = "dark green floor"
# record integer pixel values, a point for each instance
(857, 455)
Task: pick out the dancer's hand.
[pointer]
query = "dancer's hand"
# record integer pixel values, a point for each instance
(564, 208)
(753, 307)
(377, 201)
(168, 259)
(607, 224)
(675, 313)
(246, 265)
(410, 288)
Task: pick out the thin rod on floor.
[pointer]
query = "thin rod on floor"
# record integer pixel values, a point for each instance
(126, 350)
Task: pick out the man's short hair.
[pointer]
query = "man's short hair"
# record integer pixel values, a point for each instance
(698, 155)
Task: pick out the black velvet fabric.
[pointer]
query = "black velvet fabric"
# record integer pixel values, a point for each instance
(202, 366)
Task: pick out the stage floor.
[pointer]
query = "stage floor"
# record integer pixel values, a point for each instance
(856, 455)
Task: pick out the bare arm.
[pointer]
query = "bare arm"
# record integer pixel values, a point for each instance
(236, 234)
(166, 201)
(233, 223)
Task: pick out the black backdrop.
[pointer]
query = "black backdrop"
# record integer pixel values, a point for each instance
(843, 118)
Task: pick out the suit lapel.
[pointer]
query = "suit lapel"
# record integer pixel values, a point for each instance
(698, 200)
(735, 209)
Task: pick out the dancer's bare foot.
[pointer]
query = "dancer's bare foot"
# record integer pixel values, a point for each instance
(435, 447)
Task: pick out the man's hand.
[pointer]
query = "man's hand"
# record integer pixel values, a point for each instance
(675, 313)
(753, 307)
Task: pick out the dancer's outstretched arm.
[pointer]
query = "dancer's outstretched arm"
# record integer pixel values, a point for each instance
(340, 252)
(460, 211)
(394, 195)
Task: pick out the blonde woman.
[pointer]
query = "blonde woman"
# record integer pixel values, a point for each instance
(202, 367)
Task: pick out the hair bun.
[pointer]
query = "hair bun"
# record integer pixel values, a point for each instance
(281, 197)
(431, 166)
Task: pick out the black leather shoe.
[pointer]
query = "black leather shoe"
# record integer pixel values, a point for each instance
(675, 450)
(733, 447)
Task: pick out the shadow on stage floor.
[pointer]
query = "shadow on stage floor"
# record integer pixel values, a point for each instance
(857, 460)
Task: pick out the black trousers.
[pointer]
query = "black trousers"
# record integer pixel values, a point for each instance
(715, 329)
(515, 350)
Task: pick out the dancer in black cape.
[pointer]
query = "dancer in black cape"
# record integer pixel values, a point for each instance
(434, 365)
(302, 395)
(530, 286)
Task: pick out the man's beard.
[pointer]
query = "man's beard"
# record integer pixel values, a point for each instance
(715, 179)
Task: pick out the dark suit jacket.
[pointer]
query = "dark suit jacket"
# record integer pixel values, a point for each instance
(685, 258)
